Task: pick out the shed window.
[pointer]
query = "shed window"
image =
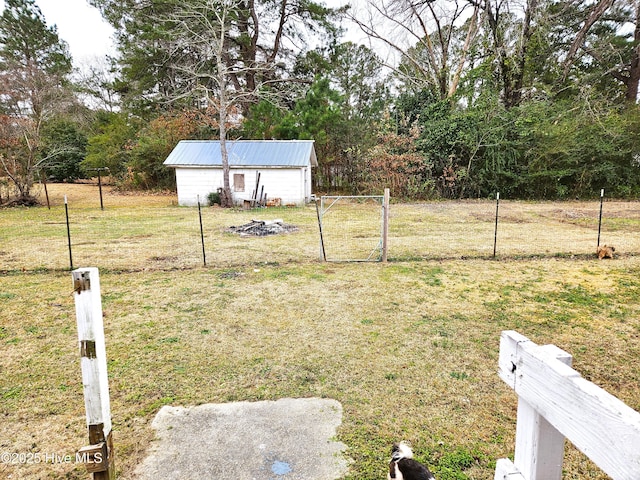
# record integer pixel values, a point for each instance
(238, 182)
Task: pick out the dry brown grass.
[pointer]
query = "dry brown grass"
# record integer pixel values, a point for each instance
(88, 196)
(467, 229)
(409, 348)
(145, 233)
(152, 233)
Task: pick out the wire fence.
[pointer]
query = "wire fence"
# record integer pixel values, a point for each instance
(137, 236)
(147, 238)
(515, 229)
(352, 228)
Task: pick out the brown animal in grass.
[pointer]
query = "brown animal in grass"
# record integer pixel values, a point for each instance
(605, 251)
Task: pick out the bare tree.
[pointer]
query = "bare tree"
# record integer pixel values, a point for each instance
(259, 32)
(219, 63)
(34, 64)
(32, 98)
(432, 39)
(95, 79)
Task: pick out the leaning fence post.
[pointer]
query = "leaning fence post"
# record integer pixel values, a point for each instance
(66, 214)
(204, 253)
(323, 253)
(98, 457)
(600, 217)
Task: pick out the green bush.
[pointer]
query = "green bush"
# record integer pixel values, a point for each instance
(213, 198)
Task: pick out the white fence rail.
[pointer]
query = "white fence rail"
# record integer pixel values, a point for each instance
(555, 402)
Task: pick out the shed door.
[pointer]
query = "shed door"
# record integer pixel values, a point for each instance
(238, 182)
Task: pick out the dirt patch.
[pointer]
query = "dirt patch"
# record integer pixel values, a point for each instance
(491, 217)
(159, 258)
(569, 214)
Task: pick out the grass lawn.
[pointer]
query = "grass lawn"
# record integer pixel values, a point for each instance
(410, 349)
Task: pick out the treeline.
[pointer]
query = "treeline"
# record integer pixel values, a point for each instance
(534, 99)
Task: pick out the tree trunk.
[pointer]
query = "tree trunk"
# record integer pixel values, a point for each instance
(226, 198)
(596, 13)
(471, 33)
(634, 69)
(511, 66)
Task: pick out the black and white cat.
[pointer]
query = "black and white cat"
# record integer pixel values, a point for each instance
(404, 467)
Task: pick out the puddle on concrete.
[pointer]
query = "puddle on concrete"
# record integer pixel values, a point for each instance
(280, 468)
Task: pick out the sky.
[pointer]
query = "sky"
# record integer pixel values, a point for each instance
(80, 25)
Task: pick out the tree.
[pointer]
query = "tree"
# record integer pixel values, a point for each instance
(341, 110)
(201, 29)
(396, 163)
(157, 139)
(432, 38)
(508, 28)
(259, 33)
(604, 50)
(356, 71)
(595, 13)
(64, 144)
(263, 121)
(218, 55)
(96, 84)
(576, 147)
(110, 144)
(632, 80)
(34, 69)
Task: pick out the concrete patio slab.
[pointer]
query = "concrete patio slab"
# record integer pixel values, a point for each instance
(288, 439)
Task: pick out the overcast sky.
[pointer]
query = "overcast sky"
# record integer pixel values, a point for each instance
(80, 25)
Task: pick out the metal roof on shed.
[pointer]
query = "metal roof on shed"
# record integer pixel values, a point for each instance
(244, 153)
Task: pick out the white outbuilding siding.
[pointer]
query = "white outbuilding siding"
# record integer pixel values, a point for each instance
(195, 182)
(284, 167)
(291, 186)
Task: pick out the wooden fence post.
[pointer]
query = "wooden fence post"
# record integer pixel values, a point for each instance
(385, 225)
(98, 457)
(555, 401)
(539, 449)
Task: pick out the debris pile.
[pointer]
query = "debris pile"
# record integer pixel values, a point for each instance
(261, 228)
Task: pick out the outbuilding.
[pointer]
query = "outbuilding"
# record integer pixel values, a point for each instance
(280, 169)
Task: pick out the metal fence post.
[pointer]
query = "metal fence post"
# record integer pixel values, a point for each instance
(385, 225)
(66, 214)
(495, 232)
(600, 217)
(204, 253)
